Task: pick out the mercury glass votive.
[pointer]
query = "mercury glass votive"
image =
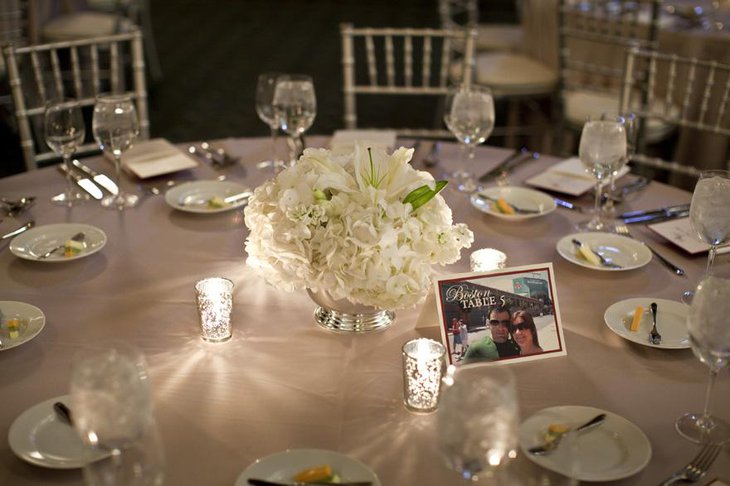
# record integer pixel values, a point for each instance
(215, 300)
(423, 366)
(487, 259)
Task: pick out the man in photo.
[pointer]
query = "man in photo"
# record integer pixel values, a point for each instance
(499, 344)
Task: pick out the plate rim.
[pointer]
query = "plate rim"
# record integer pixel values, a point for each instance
(243, 477)
(16, 343)
(78, 226)
(172, 193)
(580, 263)
(515, 217)
(592, 478)
(638, 341)
(15, 431)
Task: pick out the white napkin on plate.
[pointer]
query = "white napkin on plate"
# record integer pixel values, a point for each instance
(343, 141)
(156, 157)
(569, 177)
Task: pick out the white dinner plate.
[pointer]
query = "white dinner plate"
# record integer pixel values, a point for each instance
(31, 244)
(282, 466)
(193, 197)
(623, 251)
(614, 450)
(32, 319)
(520, 197)
(671, 320)
(39, 437)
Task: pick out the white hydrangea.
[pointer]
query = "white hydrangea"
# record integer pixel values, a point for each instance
(339, 224)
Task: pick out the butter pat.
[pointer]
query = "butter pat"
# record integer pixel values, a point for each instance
(72, 248)
(636, 321)
(589, 255)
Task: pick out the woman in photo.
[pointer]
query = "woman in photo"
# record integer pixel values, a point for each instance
(524, 333)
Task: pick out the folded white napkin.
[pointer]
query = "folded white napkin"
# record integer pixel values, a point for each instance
(343, 141)
(156, 157)
(680, 232)
(569, 177)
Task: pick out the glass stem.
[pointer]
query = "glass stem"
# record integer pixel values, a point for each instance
(273, 145)
(608, 205)
(69, 179)
(118, 174)
(705, 421)
(711, 259)
(597, 202)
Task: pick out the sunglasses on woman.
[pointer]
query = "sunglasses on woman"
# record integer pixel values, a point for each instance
(522, 326)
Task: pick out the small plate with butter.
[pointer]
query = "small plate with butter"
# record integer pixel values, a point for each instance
(631, 319)
(596, 249)
(208, 196)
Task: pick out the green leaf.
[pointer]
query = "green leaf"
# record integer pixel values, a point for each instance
(420, 196)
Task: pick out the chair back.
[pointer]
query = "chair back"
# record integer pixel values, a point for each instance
(654, 83)
(388, 61)
(80, 69)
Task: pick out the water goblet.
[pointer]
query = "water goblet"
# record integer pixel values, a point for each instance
(709, 336)
(295, 107)
(115, 126)
(602, 151)
(265, 89)
(631, 126)
(709, 215)
(64, 130)
(478, 419)
(469, 115)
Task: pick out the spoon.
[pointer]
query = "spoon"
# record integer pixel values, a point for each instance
(16, 232)
(654, 336)
(15, 207)
(551, 446)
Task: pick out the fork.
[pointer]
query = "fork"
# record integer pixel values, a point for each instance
(606, 262)
(697, 467)
(623, 230)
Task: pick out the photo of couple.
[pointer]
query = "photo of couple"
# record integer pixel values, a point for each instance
(506, 316)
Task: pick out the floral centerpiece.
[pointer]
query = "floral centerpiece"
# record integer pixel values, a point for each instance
(364, 227)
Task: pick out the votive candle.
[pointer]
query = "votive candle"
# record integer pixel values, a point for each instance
(423, 367)
(487, 259)
(215, 300)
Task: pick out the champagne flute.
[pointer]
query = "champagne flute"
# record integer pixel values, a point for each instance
(115, 127)
(477, 419)
(602, 151)
(295, 107)
(709, 215)
(469, 115)
(111, 402)
(64, 130)
(709, 336)
(265, 89)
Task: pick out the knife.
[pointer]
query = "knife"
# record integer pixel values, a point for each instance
(83, 182)
(568, 205)
(661, 211)
(510, 162)
(656, 218)
(101, 179)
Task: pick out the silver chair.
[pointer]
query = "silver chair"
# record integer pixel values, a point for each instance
(412, 62)
(653, 82)
(78, 69)
(593, 38)
(457, 14)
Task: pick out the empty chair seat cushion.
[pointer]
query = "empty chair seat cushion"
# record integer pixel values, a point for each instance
(83, 25)
(499, 37)
(581, 105)
(514, 74)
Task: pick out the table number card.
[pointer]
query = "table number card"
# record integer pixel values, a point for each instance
(505, 315)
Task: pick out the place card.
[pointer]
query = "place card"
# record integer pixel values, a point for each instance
(568, 177)
(156, 157)
(506, 315)
(680, 232)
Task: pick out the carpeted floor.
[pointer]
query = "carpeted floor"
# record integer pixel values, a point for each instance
(213, 51)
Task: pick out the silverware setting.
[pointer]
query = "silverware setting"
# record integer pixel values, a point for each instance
(83, 181)
(655, 215)
(548, 447)
(654, 336)
(16, 232)
(568, 205)
(606, 262)
(624, 231)
(100, 179)
(265, 482)
(78, 237)
(13, 208)
(514, 160)
(620, 194)
(215, 156)
(697, 467)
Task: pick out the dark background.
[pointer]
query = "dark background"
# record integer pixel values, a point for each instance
(212, 52)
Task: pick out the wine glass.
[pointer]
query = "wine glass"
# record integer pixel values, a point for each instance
(709, 214)
(709, 336)
(469, 115)
(295, 107)
(64, 130)
(602, 151)
(265, 89)
(111, 403)
(477, 419)
(631, 126)
(115, 127)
